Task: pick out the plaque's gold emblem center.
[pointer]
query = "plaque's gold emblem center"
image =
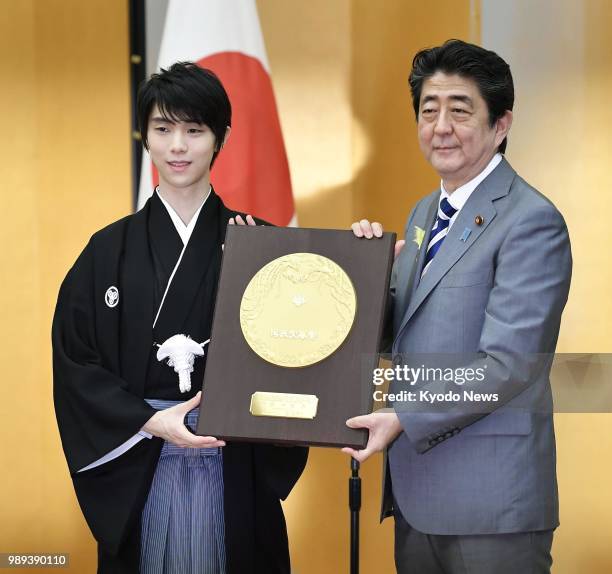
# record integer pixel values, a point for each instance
(297, 309)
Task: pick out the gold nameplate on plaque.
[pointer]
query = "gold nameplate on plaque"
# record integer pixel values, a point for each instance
(285, 405)
(298, 309)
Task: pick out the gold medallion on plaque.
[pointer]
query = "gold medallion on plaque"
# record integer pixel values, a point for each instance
(298, 309)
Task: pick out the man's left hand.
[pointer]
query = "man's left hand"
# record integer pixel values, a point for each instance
(384, 426)
(239, 221)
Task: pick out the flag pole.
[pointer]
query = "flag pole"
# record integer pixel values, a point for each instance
(137, 23)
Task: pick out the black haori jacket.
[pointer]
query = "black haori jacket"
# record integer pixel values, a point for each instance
(102, 367)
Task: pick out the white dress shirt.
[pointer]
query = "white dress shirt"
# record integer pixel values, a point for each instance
(459, 197)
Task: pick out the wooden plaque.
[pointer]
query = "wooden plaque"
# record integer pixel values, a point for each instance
(259, 386)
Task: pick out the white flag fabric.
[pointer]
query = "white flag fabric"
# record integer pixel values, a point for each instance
(251, 174)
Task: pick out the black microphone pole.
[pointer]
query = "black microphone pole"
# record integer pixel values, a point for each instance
(355, 506)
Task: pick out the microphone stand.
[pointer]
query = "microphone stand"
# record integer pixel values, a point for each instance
(355, 507)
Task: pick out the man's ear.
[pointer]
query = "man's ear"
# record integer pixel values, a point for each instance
(228, 130)
(502, 127)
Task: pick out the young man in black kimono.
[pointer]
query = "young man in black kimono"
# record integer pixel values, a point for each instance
(120, 411)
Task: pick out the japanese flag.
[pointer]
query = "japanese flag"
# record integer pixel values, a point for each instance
(251, 174)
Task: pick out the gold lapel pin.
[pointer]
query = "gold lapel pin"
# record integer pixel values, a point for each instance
(478, 220)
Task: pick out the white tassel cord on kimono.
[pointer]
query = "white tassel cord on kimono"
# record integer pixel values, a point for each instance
(180, 352)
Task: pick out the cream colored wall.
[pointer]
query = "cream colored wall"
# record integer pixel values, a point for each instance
(340, 74)
(561, 57)
(309, 47)
(65, 173)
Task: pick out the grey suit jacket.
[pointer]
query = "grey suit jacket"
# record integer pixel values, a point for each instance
(492, 296)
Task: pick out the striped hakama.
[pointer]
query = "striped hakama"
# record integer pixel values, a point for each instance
(183, 530)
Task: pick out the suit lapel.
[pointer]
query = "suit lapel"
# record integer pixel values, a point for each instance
(432, 212)
(480, 202)
(412, 257)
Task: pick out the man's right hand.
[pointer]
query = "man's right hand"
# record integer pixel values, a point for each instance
(368, 230)
(169, 425)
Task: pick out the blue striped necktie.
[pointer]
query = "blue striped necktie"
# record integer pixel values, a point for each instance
(438, 232)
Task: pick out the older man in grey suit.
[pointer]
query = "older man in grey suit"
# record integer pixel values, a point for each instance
(480, 283)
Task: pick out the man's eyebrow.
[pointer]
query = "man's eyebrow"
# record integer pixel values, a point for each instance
(161, 119)
(454, 97)
(429, 98)
(462, 98)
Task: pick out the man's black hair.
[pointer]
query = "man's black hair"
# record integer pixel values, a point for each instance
(488, 70)
(185, 92)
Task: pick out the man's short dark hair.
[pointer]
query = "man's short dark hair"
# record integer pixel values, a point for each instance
(488, 70)
(185, 92)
